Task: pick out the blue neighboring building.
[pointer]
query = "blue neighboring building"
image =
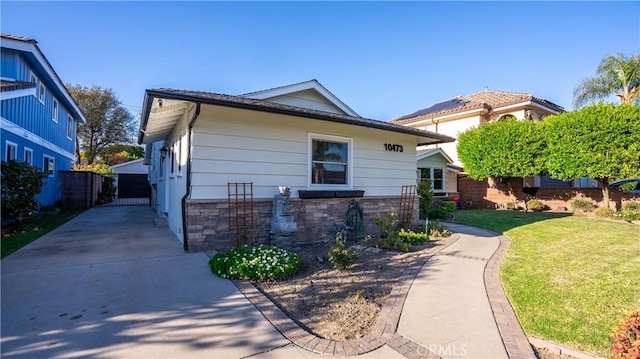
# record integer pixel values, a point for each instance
(38, 116)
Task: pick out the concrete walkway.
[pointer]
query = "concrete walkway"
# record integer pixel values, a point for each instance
(109, 284)
(449, 303)
(447, 309)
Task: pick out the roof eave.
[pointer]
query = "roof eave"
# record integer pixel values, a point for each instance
(434, 138)
(31, 46)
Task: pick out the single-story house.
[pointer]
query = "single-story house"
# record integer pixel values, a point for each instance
(216, 162)
(436, 166)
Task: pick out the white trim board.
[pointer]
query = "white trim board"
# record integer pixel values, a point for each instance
(21, 132)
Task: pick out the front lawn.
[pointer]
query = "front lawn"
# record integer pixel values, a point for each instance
(569, 278)
(32, 229)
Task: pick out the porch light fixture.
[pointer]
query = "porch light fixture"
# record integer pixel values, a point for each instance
(163, 151)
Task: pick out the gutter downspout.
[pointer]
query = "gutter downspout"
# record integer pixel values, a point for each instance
(185, 241)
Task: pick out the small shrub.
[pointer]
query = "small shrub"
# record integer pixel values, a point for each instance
(626, 337)
(21, 182)
(536, 205)
(255, 263)
(510, 206)
(402, 240)
(394, 243)
(582, 205)
(448, 206)
(385, 224)
(426, 197)
(412, 237)
(631, 206)
(603, 212)
(627, 215)
(437, 213)
(436, 229)
(444, 210)
(341, 256)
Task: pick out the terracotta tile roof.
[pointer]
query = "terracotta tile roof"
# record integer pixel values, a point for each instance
(259, 105)
(15, 85)
(489, 99)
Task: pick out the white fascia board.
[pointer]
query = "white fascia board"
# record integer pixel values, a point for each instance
(7, 95)
(33, 49)
(447, 117)
(307, 85)
(433, 152)
(128, 163)
(21, 132)
(522, 104)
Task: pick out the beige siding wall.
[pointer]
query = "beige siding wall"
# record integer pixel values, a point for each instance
(307, 99)
(453, 128)
(271, 150)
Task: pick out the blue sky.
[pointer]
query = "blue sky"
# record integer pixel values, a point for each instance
(383, 59)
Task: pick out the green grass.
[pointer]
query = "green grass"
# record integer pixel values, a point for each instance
(570, 279)
(34, 228)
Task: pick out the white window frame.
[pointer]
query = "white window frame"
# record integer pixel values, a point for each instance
(30, 152)
(331, 138)
(56, 106)
(69, 127)
(431, 178)
(42, 90)
(179, 157)
(33, 78)
(9, 144)
(45, 165)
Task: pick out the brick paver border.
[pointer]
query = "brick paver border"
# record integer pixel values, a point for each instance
(513, 337)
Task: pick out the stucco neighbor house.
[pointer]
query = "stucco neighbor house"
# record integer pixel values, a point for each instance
(38, 117)
(461, 113)
(210, 154)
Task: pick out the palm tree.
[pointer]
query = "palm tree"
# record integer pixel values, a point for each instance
(616, 74)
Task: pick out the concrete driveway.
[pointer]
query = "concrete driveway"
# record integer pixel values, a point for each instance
(108, 284)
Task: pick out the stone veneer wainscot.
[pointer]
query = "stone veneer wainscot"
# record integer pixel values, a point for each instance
(208, 220)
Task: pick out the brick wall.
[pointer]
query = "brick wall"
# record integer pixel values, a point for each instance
(492, 194)
(208, 220)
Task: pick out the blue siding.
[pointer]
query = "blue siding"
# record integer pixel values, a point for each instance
(8, 64)
(51, 191)
(29, 114)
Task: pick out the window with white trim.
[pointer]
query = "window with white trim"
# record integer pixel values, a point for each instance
(179, 156)
(69, 127)
(48, 165)
(41, 92)
(34, 79)
(330, 160)
(11, 150)
(55, 111)
(436, 176)
(28, 155)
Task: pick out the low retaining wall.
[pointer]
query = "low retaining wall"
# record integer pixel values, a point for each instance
(208, 220)
(492, 194)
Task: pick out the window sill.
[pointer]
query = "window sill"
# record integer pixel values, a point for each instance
(311, 194)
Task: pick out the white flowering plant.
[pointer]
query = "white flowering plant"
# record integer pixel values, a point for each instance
(260, 263)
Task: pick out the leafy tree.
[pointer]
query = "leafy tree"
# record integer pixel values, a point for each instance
(506, 150)
(108, 122)
(114, 154)
(600, 141)
(616, 74)
(21, 182)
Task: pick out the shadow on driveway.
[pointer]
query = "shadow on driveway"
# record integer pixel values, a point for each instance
(110, 284)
